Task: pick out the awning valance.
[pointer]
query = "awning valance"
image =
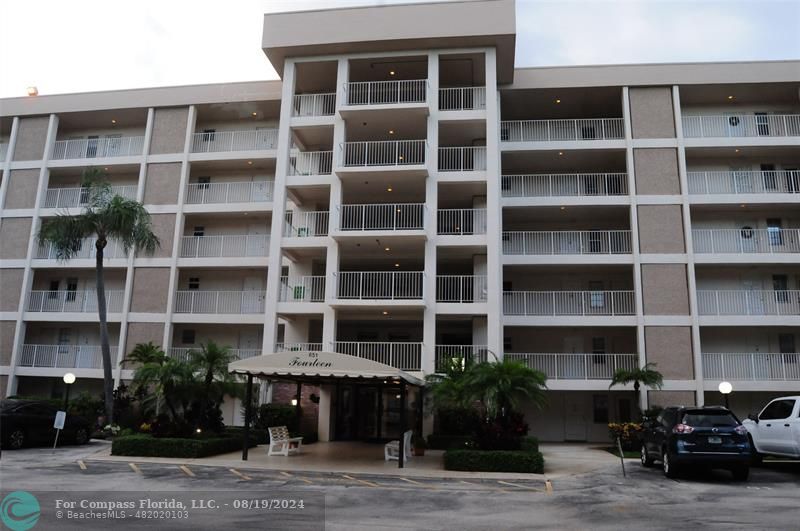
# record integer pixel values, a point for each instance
(315, 366)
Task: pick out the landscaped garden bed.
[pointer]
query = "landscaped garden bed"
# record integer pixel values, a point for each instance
(142, 445)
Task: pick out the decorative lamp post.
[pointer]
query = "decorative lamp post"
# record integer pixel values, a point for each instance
(69, 379)
(725, 388)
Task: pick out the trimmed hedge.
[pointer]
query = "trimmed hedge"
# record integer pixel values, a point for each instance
(149, 446)
(440, 441)
(529, 444)
(494, 461)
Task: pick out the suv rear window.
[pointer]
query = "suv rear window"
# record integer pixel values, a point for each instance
(706, 419)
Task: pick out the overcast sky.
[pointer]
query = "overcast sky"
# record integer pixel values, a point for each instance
(83, 45)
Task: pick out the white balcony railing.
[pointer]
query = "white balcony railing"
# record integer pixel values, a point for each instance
(461, 288)
(87, 250)
(562, 130)
(383, 153)
(746, 241)
(3, 151)
(406, 356)
(386, 92)
(744, 182)
(90, 148)
(226, 245)
(552, 303)
(323, 104)
(184, 353)
(565, 185)
(558, 366)
(303, 289)
(752, 366)
(222, 302)
(73, 301)
(370, 285)
(748, 302)
(382, 216)
(741, 125)
(461, 221)
(219, 141)
(64, 356)
(567, 242)
(311, 163)
(74, 197)
(229, 192)
(462, 98)
(294, 347)
(469, 158)
(460, 355)
(306, 224)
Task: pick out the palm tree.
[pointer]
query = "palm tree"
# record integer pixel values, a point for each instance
(170, 379)
(647, 376)
(445, 389)
(503, 385)
(105, 217)
(211, 361)
(144, 353)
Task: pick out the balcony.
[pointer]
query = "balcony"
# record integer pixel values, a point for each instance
(311, 163)
(748, 302)
(461, 288)
(447, 355)
(372, 153)
(67, 301)
(3, 151)
(741, 125)
(91, 148)
(565, 185)
(322, 104)
(87, 251)
(306, 224)
(569, 303)
(229, 192)
(219, 302)
(462, 99)
(64, 356)
(184, 354)
(225, 246)
(386, 92)
(746, 241)
(78, 197)
(558, 366)
(753, 366)
(297, 347)
(567, 242)
(744, 182)
(406, 356)
(380, 285)
(302, 289)
(458, 159)
(562, 130)
(382, 217)
(461, 221)
(228, 141)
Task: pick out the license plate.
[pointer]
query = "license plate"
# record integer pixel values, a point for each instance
(715, 440)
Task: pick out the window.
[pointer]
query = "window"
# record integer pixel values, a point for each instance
(597, 296)
(762, 123)
(199, 231)
(64, 335)
(774, 231)
(599, 350)
(770, 177)
(786, 344)
(600, 408)
(194, 283)
(777, 410)
(53, 291)
(594, 242)
(187, 337)
(204, 183)
(72, 289)
(209, 135)
(507, 345)
(780, 283)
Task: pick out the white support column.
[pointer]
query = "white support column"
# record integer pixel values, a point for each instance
(428, 362)
(494, 213)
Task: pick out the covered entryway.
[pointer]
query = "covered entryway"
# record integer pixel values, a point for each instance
(360, 399)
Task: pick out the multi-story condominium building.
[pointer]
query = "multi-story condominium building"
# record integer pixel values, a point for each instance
(405, 194)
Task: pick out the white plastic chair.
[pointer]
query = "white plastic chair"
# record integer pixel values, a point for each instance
(391, 452)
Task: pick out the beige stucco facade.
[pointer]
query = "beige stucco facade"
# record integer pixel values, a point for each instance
(150, 289)
(31, 138)
(22, 188)
(162, 183)
(163, 226)
(10, 289)
(169, 130)
(651, 112)
(671, 398)
(656, 171)
(665, 289)
(670, 348)
(15, 233)
(661, 229)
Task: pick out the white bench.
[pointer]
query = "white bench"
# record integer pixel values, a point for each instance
(280, 443)
(391, 452)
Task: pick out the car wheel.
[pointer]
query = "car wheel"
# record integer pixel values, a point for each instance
(81, 436)
(669, 469)
(741, 473)
(647, 461)
(16, 439)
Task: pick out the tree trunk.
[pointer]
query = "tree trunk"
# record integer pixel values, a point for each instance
(108, 379)
(638, 394)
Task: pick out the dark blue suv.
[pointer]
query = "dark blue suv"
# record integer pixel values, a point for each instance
(709, 437)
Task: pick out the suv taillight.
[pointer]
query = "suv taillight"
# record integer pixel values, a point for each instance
(682, 428)
(741, 430)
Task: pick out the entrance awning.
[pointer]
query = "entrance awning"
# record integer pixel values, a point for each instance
(320, 367)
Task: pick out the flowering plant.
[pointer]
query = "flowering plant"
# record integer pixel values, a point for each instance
(629, 434)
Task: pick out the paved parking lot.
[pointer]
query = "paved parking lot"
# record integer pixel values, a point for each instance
(603, 499)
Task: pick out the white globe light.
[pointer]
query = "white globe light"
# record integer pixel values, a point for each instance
(725, 388)
(69, 378)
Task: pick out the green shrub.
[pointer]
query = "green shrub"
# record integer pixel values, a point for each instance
(628, 433)
(440, 441)
(149, 446)
(457, 420)
(269, 415)
(494, 461)
(529, 444)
